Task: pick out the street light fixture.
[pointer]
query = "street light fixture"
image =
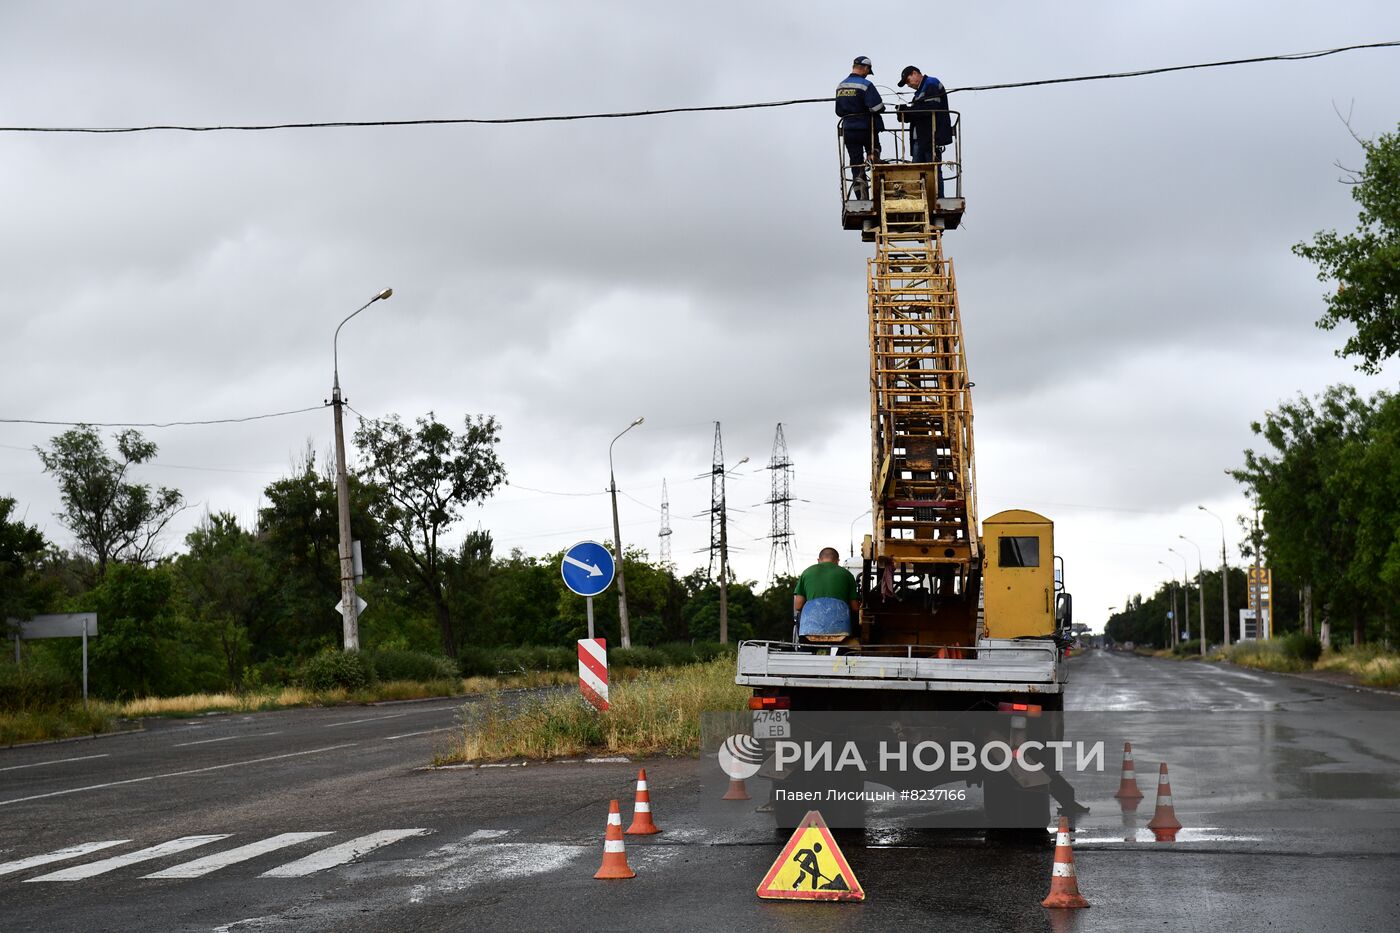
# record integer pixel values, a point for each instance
(853, 530)
(1185, 590)
(1200, 588)
(626, 631)
(349, 601)
(1224, 577)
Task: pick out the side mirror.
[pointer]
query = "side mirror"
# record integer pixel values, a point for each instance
(1064, 610)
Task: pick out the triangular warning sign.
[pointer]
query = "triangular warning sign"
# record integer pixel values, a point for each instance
(811, 867)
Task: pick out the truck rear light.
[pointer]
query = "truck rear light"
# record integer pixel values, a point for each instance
(770, 702)
(1030, 709)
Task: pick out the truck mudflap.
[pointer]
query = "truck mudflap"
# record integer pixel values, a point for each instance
(994, 666)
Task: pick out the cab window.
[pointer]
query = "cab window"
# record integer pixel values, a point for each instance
(1019, 551)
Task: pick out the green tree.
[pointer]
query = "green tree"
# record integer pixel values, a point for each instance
(299, 531)
(225, 582)
(1313, 499)
(1365, 264)
(427, 474)
(111, 518)
(22, 550)
(137, 650)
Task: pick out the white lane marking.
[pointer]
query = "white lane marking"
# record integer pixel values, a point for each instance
(339, 855)
(407, 735)
(478, 835)
(351, 722)
(58, 855)
(250, 735)
(58, 761)
(203, 866)
(91, 869)
(156, 777)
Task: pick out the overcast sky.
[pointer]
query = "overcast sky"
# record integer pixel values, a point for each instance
(1127, 288)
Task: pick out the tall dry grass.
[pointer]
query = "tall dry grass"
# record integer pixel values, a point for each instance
(1371, 664)
(657, 712)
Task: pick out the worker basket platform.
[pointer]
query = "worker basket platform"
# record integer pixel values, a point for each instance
(922, 194)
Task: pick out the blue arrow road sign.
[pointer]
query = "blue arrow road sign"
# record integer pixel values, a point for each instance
(587, 568)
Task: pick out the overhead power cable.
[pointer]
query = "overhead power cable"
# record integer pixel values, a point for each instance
(712, 108)
(160, 424)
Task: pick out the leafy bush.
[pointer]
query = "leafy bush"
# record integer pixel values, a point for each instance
(1302, 647)
(637, 657)
(474, 661)
(1187, 649)
(401, 664)
(32, 686)
(535, 658)
(332, 670)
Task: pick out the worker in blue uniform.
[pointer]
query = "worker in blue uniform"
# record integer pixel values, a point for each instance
(930, 125)
(859, 106)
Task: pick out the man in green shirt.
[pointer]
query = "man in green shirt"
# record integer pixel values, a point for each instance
(825, 598)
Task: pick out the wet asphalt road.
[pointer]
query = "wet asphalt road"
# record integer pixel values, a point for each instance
(1289, 791)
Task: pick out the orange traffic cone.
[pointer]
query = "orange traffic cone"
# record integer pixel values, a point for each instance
(1164, 824)
(614, 851)
(738, 790)
(642, 824)
(1128, 791)
(1064, 887)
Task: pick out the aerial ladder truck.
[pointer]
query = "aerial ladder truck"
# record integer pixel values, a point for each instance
(954, 615)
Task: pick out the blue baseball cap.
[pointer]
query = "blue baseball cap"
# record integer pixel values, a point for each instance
(863, 60)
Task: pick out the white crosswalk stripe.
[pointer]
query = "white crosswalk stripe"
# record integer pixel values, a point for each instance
(209, 863)
(340, 854)
(34, 861)
(92, 869)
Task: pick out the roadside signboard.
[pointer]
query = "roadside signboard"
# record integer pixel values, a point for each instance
(587, 568)
(593, 672)
(59, 625)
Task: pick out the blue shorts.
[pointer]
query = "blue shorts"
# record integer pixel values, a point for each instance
(825, 615)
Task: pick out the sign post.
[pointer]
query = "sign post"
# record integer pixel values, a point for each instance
(61, 625)
(587, 569)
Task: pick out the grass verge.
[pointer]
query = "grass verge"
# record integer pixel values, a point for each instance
(56, 722)
(1370, 664)
(655, 712)
(65, 721)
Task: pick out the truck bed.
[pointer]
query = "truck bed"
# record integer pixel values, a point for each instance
(998, 666)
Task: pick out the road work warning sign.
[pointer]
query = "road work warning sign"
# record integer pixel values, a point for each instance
(811, 867)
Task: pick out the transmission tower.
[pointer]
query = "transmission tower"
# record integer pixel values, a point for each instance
(665, 534)
(780, 465)
(719, 531)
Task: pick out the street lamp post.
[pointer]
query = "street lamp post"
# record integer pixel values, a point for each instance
(617, 544)
(1171, 582)
(853, 529)
(724, 554)
(349, 602)
(1224, 577)
(1200, 588)
(1185, 591)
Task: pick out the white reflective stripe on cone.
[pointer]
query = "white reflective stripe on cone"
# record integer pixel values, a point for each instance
(1162, 778)
(1129, 774)
(1164, 800)
(1062, 870)
(614, 819)
(614, 845)
(642, 807)
(1062, 839)
(641, 785)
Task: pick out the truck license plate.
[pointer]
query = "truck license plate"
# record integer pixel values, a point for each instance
(772, 724)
